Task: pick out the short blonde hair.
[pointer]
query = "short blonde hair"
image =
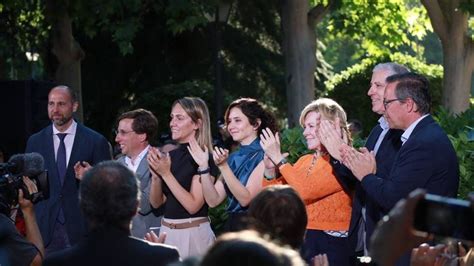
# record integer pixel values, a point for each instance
(329, 109)
(197, 110)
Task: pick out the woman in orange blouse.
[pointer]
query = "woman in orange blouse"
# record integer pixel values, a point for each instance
(328, 203)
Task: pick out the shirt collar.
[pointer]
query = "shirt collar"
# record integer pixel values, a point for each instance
(406, 135)
(139, 158)
(383, 123)
(71, 130)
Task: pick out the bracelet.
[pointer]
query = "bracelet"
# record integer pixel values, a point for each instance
(267, 177)
(282, 162)
(205, 171)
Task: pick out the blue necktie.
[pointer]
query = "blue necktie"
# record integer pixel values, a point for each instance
(61, 157)
(61, 164)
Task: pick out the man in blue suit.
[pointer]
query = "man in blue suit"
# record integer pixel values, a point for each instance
(63, 144)
(426, 158)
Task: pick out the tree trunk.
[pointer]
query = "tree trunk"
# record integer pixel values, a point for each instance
(299, 47)
(298, 22)
(450, 23)
(67, 51)
(458, 69)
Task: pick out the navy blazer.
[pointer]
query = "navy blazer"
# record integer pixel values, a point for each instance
(426, 160)
(385, 157)
(112, 246)
(88, 146)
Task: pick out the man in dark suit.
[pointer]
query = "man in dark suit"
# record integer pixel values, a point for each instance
(109, 200)
(385, 143)
(426, 159)
(62, 144)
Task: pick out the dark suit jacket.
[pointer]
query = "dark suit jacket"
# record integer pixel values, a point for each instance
(88, 146)
(426, 160)
(146, 217)
(113, 246)
(385, 157)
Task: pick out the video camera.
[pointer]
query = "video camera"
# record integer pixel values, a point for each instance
(11, 174)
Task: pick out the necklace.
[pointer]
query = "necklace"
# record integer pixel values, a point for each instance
(313, 161)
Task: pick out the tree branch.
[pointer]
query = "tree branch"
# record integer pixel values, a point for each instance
(317, 13)
(437, 18)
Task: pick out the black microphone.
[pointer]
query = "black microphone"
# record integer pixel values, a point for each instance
(27, 164)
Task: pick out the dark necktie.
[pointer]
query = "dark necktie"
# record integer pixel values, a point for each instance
(61, 157)
(61, 164)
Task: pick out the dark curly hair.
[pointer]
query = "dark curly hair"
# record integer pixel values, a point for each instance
(254, 111)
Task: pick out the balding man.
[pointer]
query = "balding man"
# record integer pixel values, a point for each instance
(62, 144)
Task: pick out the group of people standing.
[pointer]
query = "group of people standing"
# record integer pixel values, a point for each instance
(345, 190)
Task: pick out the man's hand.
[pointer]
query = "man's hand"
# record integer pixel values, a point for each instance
(361, 163)
(80, 168)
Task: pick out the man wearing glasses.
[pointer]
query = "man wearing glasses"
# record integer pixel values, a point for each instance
(62, 144)
(134, 132)
(426, 158)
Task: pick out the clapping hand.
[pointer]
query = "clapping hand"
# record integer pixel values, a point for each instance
(361, 162)
(220, 156)
(200, 156)
(332, 137)
(159, 163)
(270, 143)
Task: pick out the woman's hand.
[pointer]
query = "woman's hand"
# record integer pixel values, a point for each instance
(270, 143)
(200, 156)
(220, 156)
(332, 137)
(159, 163)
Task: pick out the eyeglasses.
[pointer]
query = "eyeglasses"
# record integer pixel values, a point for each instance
(387, 102)
(122, 132)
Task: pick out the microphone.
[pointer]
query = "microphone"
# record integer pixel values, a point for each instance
(27, 164)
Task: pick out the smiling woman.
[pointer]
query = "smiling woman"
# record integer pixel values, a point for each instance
(328, 202)
(176, 178)
(242, 171)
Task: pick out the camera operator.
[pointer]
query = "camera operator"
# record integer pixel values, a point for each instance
(14, 248)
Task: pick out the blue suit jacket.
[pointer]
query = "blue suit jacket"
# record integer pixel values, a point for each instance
(385, 157)
(88, 146)
(426, 160)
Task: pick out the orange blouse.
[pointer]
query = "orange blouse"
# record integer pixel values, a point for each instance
(327, 204)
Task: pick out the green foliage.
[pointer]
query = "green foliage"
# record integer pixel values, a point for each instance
(159, 100)
(293, 142)
(379, 26)
(460, 130)
(218, 216)
(349, 88)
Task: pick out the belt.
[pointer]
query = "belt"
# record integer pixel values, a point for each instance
(185, 225)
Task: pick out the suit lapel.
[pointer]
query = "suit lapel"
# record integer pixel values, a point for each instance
(373, 137)
(49, 156)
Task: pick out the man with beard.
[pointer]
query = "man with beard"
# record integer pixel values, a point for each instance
(62, 144)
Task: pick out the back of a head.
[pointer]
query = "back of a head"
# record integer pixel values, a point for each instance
(279, 212)
(249, 248)
(109, 195)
